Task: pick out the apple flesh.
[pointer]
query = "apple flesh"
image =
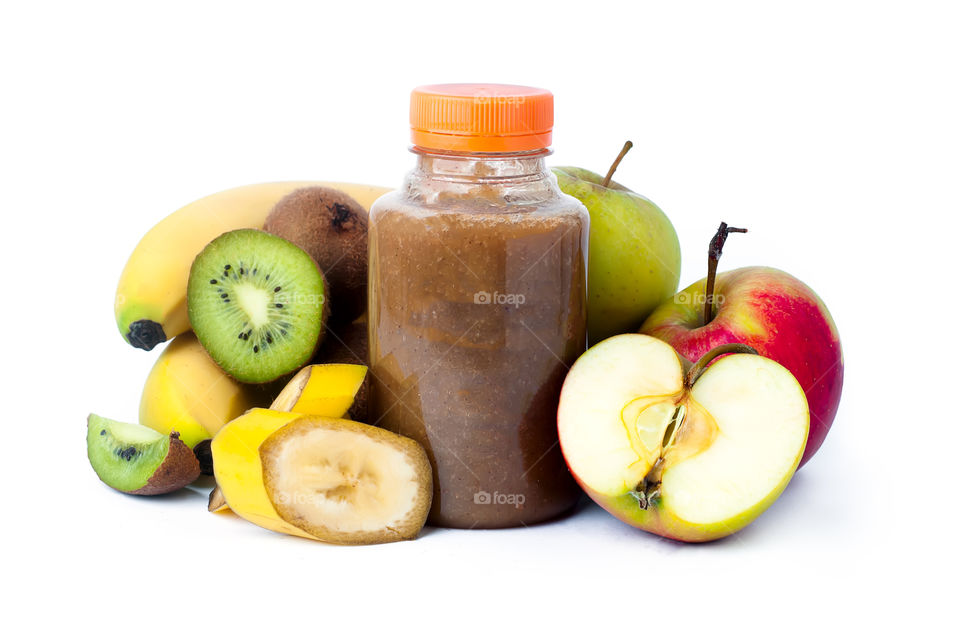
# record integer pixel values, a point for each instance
(634, 253)
(689, 452)
(777, 315)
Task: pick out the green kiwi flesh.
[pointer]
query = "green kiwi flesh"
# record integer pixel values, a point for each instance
(257, 304)
(138, 460)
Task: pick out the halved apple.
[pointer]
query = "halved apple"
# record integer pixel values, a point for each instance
(689, 452)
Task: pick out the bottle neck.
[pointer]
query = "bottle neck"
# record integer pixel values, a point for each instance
(482, 168)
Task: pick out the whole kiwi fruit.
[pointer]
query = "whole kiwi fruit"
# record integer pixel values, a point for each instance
(331, 227)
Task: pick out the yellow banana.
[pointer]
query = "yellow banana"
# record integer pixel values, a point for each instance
(151, 301)
(186, 392)
(327, 389)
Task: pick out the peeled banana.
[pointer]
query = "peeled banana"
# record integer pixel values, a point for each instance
(323, 478)
(151, 301)
(346, 482)
(319, 476)
(326, 389)
(186, 392)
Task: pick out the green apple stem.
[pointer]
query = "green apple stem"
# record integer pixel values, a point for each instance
(616, 162)
(701, 365)
(713, 258)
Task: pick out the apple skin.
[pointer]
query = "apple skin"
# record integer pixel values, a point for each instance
(634, 253)
(656, 519)
(776, 314)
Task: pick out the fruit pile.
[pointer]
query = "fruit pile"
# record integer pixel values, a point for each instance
(249, 390)
(687, 417)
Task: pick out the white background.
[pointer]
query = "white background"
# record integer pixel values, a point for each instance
(828, 129)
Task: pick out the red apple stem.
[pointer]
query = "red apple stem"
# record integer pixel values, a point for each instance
(713, 258)
(616, 162)
(701, 365)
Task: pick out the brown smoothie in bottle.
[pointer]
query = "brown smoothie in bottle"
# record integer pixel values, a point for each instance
(477, 310)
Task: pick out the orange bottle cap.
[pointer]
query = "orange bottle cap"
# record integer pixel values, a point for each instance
(482, 118)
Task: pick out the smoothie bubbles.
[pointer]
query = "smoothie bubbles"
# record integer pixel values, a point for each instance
(477, 304)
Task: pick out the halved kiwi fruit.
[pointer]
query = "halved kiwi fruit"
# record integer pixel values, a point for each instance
(257, 304)
(138, 460)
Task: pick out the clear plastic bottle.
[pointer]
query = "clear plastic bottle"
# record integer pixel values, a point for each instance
(478, 304)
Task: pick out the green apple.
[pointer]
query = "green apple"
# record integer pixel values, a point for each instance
(634, 255)
(689, 452)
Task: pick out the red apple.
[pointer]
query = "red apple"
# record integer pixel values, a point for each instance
(769, 310)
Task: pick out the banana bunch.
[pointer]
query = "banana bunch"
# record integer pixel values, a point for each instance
(151, 301)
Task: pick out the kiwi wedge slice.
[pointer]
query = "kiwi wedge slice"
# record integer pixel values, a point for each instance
(138, 460)
(257, 304)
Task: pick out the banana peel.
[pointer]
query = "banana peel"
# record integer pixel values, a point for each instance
(321, 390)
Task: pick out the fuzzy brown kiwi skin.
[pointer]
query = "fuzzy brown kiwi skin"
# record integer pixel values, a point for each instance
(178, 469)
(331, 227)
(348, 344)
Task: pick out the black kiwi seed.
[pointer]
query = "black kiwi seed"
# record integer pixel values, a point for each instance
(276, 289)
(213, 281)
(226, 267)
(103, 432)
(279, 304)
(128, 453)
(256, 349)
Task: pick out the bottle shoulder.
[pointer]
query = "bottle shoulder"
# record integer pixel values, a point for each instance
(426, 197)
